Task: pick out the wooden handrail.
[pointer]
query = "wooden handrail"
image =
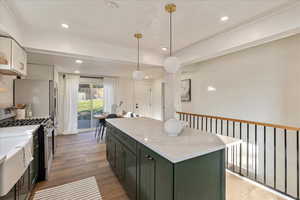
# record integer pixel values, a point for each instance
(243, 121)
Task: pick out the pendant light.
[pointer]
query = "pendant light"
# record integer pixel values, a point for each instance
(171, 64)
(138, 74)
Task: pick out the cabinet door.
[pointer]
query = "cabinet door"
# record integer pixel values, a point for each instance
(24, 186)
(147, 176)
(34, 165)
(120, 161)
(5, 50)
(19, 59)
(112, 152)
(130, 173)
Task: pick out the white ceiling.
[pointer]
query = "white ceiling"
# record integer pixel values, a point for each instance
(194, 20)
(92, 67)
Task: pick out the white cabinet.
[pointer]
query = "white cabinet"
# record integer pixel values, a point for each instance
(13, 59)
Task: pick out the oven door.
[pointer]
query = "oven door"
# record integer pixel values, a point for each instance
(48, 149)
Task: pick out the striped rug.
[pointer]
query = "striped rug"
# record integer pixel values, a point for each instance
(86, 189)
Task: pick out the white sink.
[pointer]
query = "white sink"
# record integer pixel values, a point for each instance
(12, 161)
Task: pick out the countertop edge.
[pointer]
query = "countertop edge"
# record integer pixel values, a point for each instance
(2, 159)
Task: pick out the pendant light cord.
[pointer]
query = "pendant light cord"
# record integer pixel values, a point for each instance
(138, 65)
(171, 34)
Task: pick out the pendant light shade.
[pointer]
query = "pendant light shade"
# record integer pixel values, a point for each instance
(138, 74)
(171, 64)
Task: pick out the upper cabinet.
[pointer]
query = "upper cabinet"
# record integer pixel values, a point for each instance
(13, 58)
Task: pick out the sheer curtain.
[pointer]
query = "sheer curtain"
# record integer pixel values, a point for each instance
(111, 86)
(70, 104)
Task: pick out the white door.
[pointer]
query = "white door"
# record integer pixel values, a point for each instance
(143, 99)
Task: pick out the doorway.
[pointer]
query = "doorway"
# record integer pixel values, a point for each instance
(90, 102)
(143, 99)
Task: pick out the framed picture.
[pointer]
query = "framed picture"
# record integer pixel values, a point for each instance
(186, 90)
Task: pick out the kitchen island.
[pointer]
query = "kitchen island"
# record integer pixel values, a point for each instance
(153, 166)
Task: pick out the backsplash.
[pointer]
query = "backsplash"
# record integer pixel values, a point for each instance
(6, 91)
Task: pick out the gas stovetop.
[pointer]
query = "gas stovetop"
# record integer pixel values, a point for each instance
(24, 122)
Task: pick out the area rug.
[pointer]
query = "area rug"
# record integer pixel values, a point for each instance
(85, 189)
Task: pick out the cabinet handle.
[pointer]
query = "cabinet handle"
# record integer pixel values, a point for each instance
(148, 157)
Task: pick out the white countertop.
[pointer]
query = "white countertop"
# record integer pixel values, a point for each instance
(17, 131)
(11, 136)
(190, 144)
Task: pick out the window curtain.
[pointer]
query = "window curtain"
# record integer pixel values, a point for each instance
(70, 104)
(111, 86)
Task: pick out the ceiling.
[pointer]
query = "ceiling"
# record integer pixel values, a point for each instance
(194, 20)
(92, 67)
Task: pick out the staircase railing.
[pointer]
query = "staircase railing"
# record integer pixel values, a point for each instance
(269, 153)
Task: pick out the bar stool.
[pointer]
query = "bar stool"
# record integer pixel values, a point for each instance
(103, 125)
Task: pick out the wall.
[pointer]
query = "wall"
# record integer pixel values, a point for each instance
(6, 96)
(40, 72)
(260, 84)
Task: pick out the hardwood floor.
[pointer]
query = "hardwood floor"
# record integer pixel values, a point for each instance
(80, 156)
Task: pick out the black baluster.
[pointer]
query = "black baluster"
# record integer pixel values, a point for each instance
(202, 123)
(265, 167)
(255, 153)
(297, 143)
(206, 124)
(190, 121)
(241, 148)
(285, 161)
(216, 126)
(233, 147)
(194, 122)
(211, 124)
(198, 122)
(248, 150)
(275, 158)
(227, 135)
(222, 127)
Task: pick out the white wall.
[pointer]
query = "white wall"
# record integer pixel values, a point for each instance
(260, 84)
(127, 94)
(6, 97)
(40, 72)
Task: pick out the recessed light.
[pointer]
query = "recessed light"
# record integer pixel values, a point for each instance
(77, 72)
(112, 3)
(224, 18)
(66, 26)
(146, 77)
(79, 61)
(164, 48)
(211, 89)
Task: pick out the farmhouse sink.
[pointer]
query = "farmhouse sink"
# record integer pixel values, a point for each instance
(13, 160)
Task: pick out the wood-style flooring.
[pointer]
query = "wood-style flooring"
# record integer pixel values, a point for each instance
(80, 156)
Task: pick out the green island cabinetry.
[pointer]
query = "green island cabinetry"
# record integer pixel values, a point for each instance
(146, 175)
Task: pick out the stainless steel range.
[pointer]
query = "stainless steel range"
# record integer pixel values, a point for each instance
(45, 134)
